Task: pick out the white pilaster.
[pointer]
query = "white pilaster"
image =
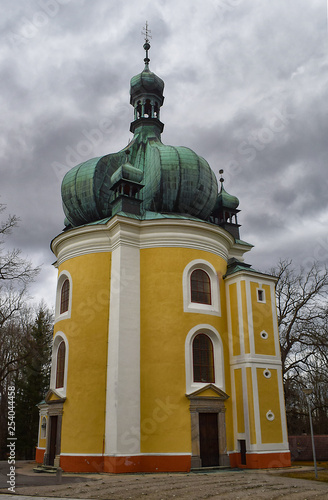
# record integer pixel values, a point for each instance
(123, 368)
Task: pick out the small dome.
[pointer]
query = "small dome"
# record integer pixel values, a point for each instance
(226, 200)
(146, 83)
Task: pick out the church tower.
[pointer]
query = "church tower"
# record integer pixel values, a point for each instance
(166, 349)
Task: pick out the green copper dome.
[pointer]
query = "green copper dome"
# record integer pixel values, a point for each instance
(226, 200)
(144, 83)
(168, 180)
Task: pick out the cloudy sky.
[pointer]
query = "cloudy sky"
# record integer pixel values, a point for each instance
(245, 87)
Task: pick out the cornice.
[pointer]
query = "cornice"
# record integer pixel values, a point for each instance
(155, 233)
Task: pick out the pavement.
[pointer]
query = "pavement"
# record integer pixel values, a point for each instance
(223, 484)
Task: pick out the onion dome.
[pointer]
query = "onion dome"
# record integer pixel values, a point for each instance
(146, 84)
(154, 179)
(226, 200)
(225, 211)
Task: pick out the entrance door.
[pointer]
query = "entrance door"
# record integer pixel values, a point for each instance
(209, 439)
(53, 439)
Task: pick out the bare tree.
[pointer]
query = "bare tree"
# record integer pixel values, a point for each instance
(302, 307)
(15, 275)
(302, 315)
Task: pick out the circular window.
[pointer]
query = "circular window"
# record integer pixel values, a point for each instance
(267, 373)
(264, 335)
(270, 415)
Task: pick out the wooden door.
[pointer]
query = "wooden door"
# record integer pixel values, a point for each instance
(53, 439)
(209, 439)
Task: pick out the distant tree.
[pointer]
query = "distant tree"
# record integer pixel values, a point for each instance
(32, 381)
(15, 275)
(302, 307)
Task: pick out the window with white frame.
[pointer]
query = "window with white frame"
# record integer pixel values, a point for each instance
(43, 434)
(204, 359)
(63, 296)
(58, 381)
(260, 295)
(201, 288)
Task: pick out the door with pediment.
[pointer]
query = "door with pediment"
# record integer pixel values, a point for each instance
(209, 439)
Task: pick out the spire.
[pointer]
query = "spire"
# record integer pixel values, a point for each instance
(146, 33)
(146, 91)
(225, 210)
(221, 179)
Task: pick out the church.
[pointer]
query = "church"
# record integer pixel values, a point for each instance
(166, 346)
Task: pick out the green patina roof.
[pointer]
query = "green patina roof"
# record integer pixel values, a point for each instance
(175, 180)
(226, 200)
(146, 82)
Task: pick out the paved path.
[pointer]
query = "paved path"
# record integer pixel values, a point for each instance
(220, 485)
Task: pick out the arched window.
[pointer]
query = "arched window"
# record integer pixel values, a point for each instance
(200, 285)
(64, 297)
(60, 369)
(203, 359)
(43, 428)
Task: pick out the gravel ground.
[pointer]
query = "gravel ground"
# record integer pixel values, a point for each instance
(223, 484)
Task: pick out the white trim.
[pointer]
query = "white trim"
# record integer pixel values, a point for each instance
(123, 361)
(193, 307)
(187, 453)
(258, 359)
(218, 355)
(180, 233)
(260, 289)
(270, 416)
(82, 455)
(275, 320)
(61, 279)
(41, 428)
(61, 391)
(282, 408)
(273, 449)
(264, 335)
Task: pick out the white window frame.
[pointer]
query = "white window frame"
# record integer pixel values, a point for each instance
(263, 301)
(43, 430)
(67, 314)
(194, 307)
(61, 391)
(218, 358)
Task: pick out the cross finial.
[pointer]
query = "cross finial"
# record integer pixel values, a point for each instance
(146, 33)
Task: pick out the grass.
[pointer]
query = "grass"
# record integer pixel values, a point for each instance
(309, 474)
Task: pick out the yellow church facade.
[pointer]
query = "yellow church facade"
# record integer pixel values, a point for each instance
(166, 345)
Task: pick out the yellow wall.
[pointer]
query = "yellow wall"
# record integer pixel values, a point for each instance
(165, 422)
(268, 390)
(87, 332)
(251, 415)
(262, 320)
(239, 400)
(245, 317)
(234, 319)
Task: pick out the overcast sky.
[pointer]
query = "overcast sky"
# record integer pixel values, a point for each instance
(245, 87)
